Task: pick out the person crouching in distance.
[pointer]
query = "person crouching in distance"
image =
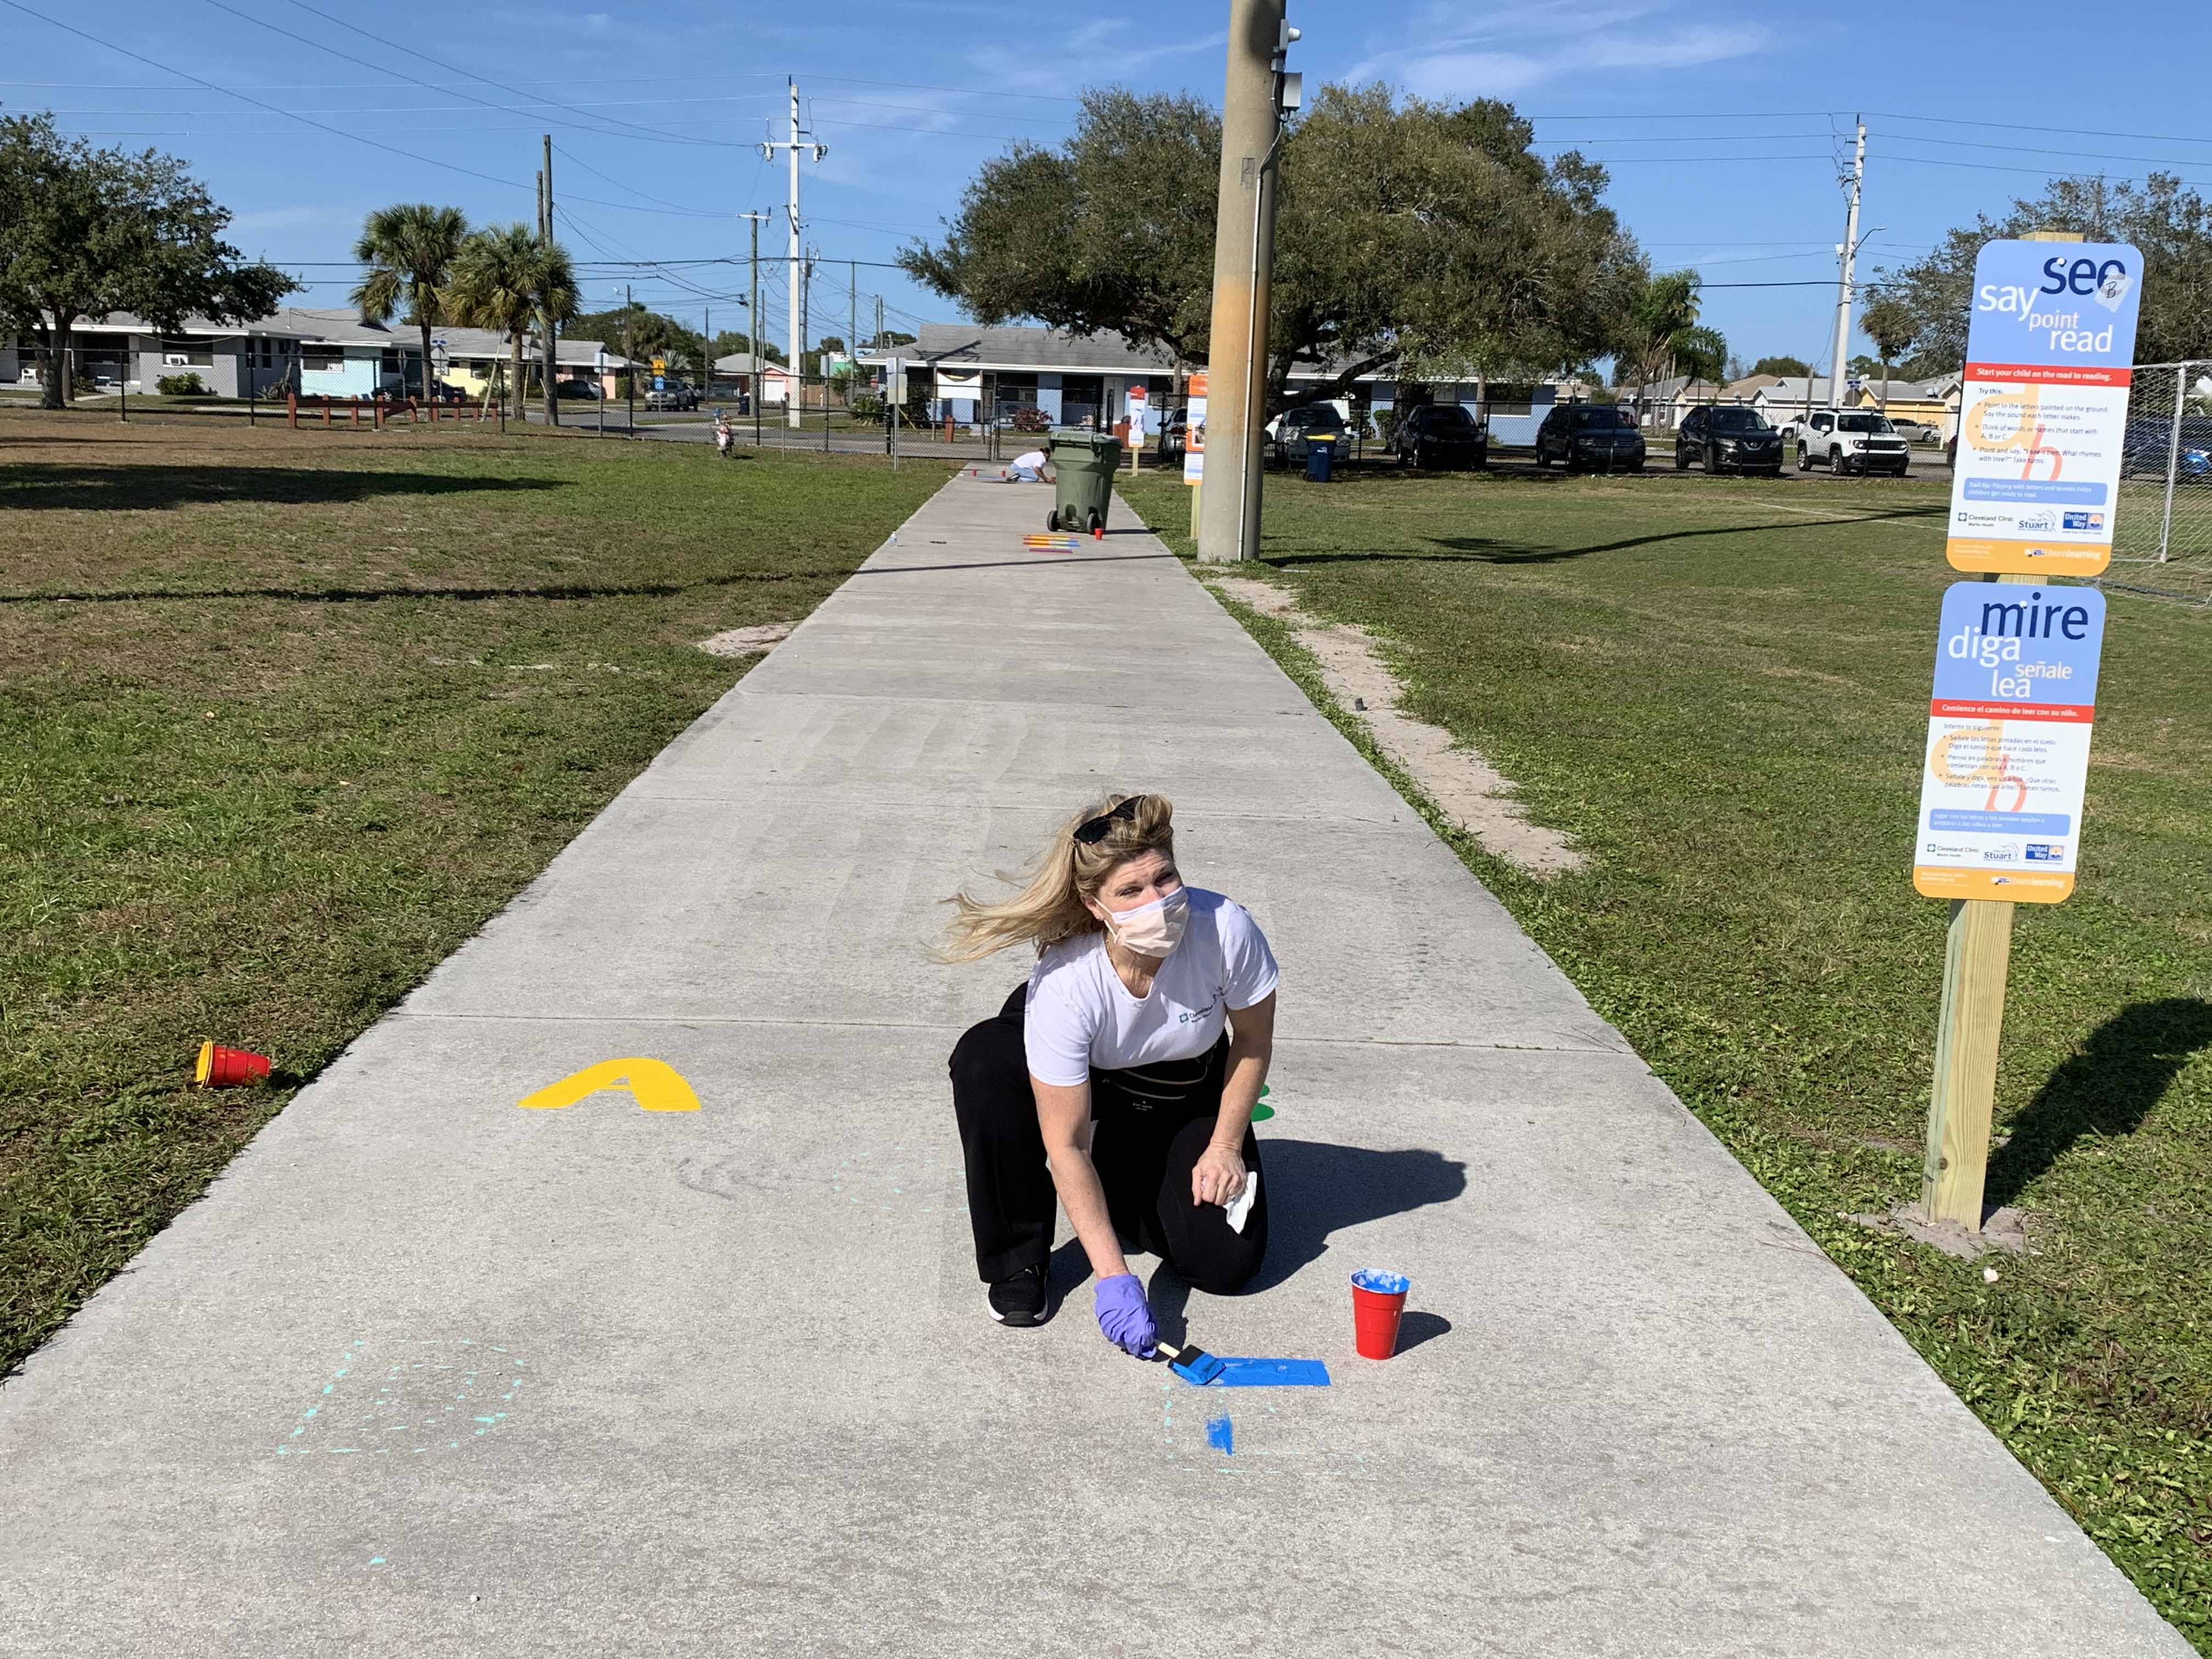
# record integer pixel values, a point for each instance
(1120, 1078)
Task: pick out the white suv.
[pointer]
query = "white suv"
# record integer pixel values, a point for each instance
(1852, 440)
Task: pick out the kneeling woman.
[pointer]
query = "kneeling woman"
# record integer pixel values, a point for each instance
(1120, 1078)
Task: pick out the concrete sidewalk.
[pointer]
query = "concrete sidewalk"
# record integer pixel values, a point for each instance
(426, 1374)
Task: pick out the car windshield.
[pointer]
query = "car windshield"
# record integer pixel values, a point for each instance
(1600, 420)
(1450, 417)
(1739, 421)
(1863, 424)
(1322, 415)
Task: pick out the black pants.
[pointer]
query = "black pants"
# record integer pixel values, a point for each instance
(1150, 1126)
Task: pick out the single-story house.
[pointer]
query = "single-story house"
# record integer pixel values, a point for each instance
(329, 353)
(320, 351)
(733, 376)
(463, 358)
(1664, 403)
(976, 375)
(1932, 402)
(1794, 397)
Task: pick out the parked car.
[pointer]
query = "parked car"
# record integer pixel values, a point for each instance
(444, 391)
(587, 390)
(1436, 436)
(1728, 439)
(1914, 432)
(1293, 434)
(1174, 424)
(1853, 440)
(674, 394)
(2149, 440)
(1591, 436)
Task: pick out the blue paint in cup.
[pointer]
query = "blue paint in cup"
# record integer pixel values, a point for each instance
(1382, 1283)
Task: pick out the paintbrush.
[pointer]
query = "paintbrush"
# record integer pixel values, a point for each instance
(1191, 1363)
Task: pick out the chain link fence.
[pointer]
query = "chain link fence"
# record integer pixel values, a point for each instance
(2162, 536)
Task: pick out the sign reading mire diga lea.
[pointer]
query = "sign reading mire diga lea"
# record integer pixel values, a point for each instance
(2009, 727)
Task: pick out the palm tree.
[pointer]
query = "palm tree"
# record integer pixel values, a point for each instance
(410, 248)
(505, 279)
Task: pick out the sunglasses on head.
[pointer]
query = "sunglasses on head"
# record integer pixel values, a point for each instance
(1093, 830)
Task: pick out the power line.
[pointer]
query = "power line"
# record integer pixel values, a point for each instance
(391, 46)
(397, 75)
(321, 126)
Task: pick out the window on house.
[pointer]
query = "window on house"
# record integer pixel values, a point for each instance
(321, 358)
(1512, 399)
(182, 353)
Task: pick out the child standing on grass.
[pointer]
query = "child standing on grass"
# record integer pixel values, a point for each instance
(725, 439)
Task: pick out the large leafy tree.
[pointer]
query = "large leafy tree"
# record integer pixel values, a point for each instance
(507, 278)
(639, 333)
(1787, 367)
(85, 231)
(409, 249)
(1416, 238)
(2169, 221)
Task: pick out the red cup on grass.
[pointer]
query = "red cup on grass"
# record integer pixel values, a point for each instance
(1378, 1302)
(226, 1068)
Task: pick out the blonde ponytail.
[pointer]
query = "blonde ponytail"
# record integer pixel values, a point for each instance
(1049, 906)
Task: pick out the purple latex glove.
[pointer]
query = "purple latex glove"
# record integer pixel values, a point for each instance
(1125, 1316)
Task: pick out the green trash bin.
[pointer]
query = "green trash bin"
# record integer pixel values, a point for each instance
(1084, 463)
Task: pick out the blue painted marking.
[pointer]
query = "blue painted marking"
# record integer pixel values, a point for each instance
(1271, 1374)
(1221, 1433)
(375, 1560)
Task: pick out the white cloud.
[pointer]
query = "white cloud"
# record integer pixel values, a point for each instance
(1549, 39)
(1031, 69)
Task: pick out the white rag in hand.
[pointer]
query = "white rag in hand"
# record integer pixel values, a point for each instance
(1241, 1207)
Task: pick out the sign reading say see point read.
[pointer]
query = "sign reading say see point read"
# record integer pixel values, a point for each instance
(2008, 742)
(2043, 412)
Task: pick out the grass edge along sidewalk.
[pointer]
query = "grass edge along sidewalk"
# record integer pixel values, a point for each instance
(312, 710)
(1522, 615)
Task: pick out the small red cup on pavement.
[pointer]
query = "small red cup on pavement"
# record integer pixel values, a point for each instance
(1378, 1302)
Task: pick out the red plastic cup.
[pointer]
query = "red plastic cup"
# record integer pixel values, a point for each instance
(227, 1068)
(1378, 1302)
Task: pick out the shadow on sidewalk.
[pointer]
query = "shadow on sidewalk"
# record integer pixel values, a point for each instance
(1316, 1188)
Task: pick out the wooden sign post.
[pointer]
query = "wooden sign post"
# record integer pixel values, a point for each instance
(2042, 417)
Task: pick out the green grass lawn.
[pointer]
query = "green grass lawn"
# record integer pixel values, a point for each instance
(1720, 687)
(285, 717)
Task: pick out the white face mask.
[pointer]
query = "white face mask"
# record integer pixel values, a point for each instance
(1154, 929)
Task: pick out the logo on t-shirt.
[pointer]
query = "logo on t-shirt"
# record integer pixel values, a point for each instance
(1191, 1014)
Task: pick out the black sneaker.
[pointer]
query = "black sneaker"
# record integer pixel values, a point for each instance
(1024, 1299)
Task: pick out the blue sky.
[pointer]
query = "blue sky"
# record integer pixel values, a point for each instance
(1722, 125)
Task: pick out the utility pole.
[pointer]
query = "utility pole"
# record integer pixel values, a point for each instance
(1252, 98)
(629, 357)
(806, 306)
(1850, 251)
(792, 146)
(546, 340)
(753, 328)
(890, 392)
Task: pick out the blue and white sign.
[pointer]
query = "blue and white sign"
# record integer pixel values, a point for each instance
(2044, 408)
(2008, 752)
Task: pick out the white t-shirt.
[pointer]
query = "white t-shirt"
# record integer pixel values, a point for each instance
(1033, 459)
(1078, 1013)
